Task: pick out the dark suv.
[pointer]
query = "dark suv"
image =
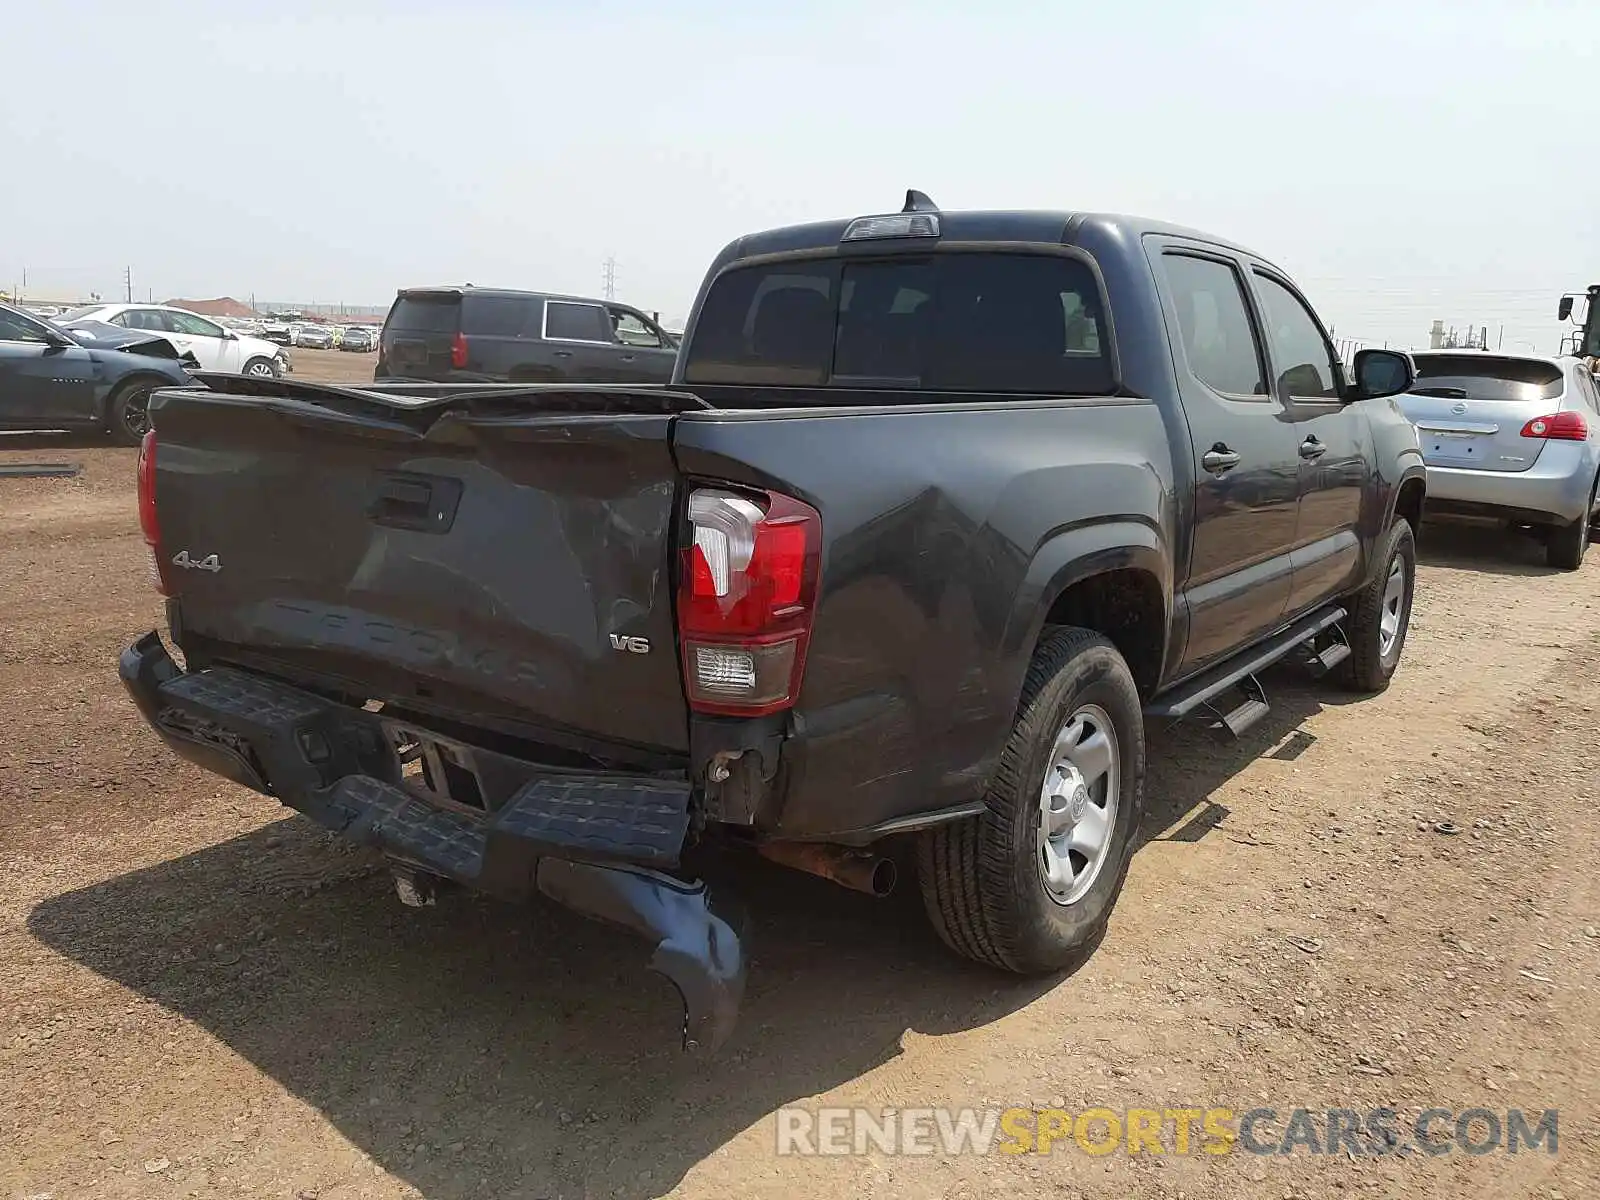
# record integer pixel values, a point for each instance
(490, 335)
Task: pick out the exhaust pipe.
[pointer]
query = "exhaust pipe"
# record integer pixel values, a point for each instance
(859, 870)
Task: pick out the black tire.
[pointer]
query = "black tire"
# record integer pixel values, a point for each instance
(1565, 546)
(262, 368)
(128, 411)
(982, 879)
(1370, 666)
(1566, 543)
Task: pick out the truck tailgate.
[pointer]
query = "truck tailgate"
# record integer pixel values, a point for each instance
(500, 553)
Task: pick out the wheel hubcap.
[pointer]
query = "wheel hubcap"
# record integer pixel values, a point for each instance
(1394, 599)
(1078, 804)
(261, 369)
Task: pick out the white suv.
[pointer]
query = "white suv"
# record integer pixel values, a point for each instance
(213, 347)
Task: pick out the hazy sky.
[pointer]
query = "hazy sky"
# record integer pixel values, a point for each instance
(1405, 160)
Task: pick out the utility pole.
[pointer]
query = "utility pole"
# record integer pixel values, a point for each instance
(127, 282)
(608, 278)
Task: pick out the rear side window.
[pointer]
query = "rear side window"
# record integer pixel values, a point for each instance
(1584, 380)
(500, 316)
(572, 322)
(959, 322)
(1486, 377)
(425, 314)
(1219, 341)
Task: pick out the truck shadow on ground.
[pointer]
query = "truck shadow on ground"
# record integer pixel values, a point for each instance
(1482, 547)
(89, 439)
(1188, 762)
(475, 1049)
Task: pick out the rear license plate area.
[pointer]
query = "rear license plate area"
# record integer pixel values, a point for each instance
(1461, 447)
(410, 352)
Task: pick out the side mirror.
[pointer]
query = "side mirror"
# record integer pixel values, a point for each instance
(57, 339)
(229, 335)
(1380, 373)
(1564, 309)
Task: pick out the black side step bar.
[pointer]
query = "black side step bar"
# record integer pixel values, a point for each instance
(1254, 706)
(1208, 685)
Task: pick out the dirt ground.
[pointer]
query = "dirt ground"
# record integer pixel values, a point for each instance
(331, 366)
(205, 996)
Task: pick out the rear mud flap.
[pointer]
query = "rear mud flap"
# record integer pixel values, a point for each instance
(698, 946)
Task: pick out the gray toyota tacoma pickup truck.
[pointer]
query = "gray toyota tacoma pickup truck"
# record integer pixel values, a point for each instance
(937, 512)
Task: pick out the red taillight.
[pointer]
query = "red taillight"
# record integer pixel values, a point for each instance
(458, 350)
(1561, 426)
(746, 593)
(149, 519)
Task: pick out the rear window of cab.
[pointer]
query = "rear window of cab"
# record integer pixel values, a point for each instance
(952, 322)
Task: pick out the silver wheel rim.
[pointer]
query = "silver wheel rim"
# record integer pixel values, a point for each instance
(260, 369)
(1394, 598)
(1078, 804)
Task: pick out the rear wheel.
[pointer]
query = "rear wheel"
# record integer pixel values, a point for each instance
(1029, 885)
(1380, 614)
(261, 368)
(1566, 544)
(128, 412)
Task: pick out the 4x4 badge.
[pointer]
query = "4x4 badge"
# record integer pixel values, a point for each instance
(209, 563)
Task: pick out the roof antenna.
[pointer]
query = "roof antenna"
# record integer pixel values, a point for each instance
(919, 202)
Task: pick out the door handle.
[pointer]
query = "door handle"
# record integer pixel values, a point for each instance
(1312, 448)
(627, 358)
(563, 353)
(1219, 459)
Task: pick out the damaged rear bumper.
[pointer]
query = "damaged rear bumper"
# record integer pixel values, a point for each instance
(600, 844)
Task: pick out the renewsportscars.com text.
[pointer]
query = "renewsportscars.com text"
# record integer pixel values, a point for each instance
(1168, 1130)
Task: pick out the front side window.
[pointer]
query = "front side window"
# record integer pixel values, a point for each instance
(193, 326)
(631, 331)
(14, 327)
(953, 322)
(565, 320)
(1300, 351)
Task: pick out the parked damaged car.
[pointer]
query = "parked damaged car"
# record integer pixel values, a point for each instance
(97, 377)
